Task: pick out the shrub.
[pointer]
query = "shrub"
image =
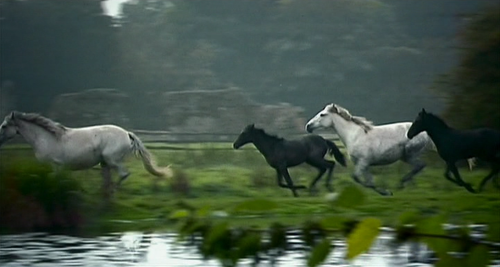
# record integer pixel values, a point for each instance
(33, 197)
(180, 183)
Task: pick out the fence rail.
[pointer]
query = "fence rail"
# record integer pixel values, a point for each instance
(165, 140)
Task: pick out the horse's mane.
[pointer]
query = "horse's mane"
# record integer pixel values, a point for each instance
(51, 126)
(435, 119)
(274, 137)
(344, 113)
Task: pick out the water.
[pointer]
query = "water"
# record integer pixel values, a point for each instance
(163, 249)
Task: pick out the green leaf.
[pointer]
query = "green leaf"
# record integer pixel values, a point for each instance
(333, 222)
(179, 214)
(256, 205)
(408, 217)
(203, 211)
(433, 226)
(447, 261)
(319, 253)
(493, 233)
(216, 232)
(479, 256)
(350, 197)
(361, 239)
(249, 245)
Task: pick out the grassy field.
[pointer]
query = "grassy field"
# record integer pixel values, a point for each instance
(215, 179)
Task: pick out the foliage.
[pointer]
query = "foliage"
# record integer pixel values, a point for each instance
(49, 47)
(255, 221)
(472, 88)
(230, 244)
(33, 197)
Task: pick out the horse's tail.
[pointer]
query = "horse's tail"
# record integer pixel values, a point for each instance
(335, 151)
(470, 161)
(147, 158)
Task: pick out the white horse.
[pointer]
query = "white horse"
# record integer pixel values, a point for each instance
(369, 145)
(79, 148)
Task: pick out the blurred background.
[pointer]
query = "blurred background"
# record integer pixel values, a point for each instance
(214, 66)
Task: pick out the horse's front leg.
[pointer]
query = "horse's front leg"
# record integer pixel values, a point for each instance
(447, 175)
(467, 186)
(359, 169)
(279, 179)
(370, 184)
(289, 181)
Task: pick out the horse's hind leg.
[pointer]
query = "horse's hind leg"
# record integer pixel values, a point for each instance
(122, 173)
(459, 180)
(118, 166)
(418, 165)
(106, 176)
(495, 169)
(322, 165)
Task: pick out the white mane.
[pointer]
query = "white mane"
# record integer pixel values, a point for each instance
(49, 125)
(344, 113)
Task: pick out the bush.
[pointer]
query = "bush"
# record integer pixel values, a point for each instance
(180, 183)
(33, 197)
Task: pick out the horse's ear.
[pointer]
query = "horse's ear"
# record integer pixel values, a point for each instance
(252, 125)
(423, 111)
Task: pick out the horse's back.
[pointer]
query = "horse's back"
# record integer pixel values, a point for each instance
(486, 141)
(101, 136)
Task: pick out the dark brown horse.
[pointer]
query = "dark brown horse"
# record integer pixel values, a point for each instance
(454, 145)
(281, 154)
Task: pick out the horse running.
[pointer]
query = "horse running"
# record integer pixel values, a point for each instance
(453, 145)
(79, 148)
(281, 154)
(370, 145)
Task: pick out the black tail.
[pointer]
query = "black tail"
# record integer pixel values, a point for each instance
(334, 150)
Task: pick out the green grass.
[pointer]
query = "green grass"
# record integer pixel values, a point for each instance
(219, 179)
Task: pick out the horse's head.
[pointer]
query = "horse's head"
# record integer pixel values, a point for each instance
(322, 119)
(245, 137)
(419, 125)
(8, 128)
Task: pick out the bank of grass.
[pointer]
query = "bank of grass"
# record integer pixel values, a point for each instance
(216, 179)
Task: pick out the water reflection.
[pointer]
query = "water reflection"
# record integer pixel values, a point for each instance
(163, 249)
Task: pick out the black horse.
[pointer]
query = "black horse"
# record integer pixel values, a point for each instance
(281, 154)
(454, 145)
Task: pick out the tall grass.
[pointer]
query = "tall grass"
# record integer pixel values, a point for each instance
(32, 196)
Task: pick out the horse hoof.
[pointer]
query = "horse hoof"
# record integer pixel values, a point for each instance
(469, 188)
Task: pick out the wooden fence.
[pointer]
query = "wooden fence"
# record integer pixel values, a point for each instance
(165, 140)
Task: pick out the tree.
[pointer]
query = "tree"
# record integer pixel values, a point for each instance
(472, 89)
(49, 47)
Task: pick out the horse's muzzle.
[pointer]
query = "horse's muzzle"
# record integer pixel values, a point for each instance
(309, 128)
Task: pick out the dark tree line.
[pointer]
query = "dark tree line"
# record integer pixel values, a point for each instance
(472, 89)
(373, 57)
(49, 47)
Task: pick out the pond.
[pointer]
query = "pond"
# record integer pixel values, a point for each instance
(164, 249)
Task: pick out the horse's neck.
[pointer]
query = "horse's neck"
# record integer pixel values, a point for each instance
(264, 144)
(347, 131)
(439, 131)
(36, 136)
